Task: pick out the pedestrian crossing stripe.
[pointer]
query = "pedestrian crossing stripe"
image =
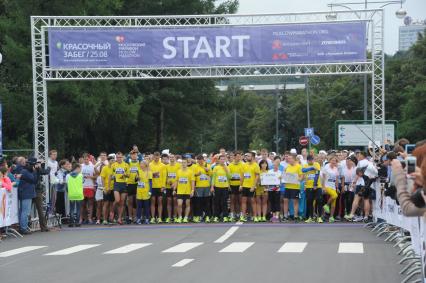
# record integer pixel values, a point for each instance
(128, 248)
(293, 247)
(21, 250)
(73, 250)
(237, 247)
(182, 248)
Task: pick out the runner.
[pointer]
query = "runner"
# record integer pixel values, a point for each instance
(99, 195)
(274, 192)
(143, 193)
(108, 194)
(89, 177)
(236, 181)
(134, 166)
(293, 176)
(251, 173)
(120, 173)
(201, 198)
(261, 195)
(348, 176)
(184, 190)
(171, 170)
(312, 187)
(329, 179)
(220, 189)
(159, 172)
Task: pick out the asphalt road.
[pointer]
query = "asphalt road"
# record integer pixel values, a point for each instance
(247, 253)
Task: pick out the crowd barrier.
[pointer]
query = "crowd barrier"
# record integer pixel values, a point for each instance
(386, 209)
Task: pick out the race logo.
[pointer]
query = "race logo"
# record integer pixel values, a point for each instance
(119, 38)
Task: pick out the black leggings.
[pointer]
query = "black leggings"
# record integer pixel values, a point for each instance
(220, 202)
(349, 198)
(60, 203)
(274, 199)
(201, 205)
(312, 195)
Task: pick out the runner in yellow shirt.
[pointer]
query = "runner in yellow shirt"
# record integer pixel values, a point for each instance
(120, 174)
(143, 193)
(236, 170)
(293, 176)
(251, 173)
(184, 190)
(201, 199)
(313, 189)
(159, 179)
(220, 189)
(134, 167)
(261, 195)
(171, 171)
(106, 175)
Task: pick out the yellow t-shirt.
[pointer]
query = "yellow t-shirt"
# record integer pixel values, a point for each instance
(171, 174)
(310, 175)
(220, 177)
(236, 171)
(106, 173)
(119, 170)
(202, 180)
(295, 170)
(142, 192)
(134, 167)
(250, 170)
(159, 172)
(184, 181)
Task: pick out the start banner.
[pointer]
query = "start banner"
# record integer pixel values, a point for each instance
(8, 207)
(138, 47)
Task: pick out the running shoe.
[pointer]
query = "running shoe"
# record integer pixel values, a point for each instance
(138, 222)
(285, 219)
(319, 220)
(168, 220)
(159, 221)
(366, 220)
(349, 217)
(216, 220)
(225, 219)
(105, 222)
(326, 208)
(263, 219)
(147, 221)
(196, 219)
(256, 219)
(309, 220)
(243, 219)
(178, 220)
(98, 222)
(207, 219)
(232, 219)
(331, 219)
(152, 220)
(185, 220)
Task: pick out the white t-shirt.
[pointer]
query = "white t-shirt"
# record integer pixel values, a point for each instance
(370, 170)
(88, 171)
(349, 174)
(53, 165)
(329, 176)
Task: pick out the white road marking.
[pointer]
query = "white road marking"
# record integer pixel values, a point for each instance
(129, 248)
(182, 248)
(237, 247)
(20, 250)
(74, 249)
(293, 247)
(183, 262)
(351, 248)
(228, 234)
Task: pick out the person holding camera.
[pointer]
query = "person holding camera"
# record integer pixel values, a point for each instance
(28, 179)
(411, 199)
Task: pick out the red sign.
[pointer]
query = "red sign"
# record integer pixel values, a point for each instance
(303, 140)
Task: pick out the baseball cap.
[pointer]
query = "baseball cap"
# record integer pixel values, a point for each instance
(293, 151)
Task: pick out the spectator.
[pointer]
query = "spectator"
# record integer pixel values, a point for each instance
(75, 194)
(28, 179)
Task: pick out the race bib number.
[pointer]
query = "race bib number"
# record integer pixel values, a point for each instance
(183, 180)
(172, 175)
(141, 185)
(222, 179)
(235, 177)
(134, 170)
(119, 171)
(311, 177)
(156, 175)
(331, 183)
(291, 178)
(204, 177)
(247, 175)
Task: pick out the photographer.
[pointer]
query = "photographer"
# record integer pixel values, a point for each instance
(26, 192)
(412, 200)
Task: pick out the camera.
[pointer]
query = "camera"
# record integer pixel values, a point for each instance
(417, 198)
(411, 164)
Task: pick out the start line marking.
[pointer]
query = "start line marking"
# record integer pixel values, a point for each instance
(228, 233)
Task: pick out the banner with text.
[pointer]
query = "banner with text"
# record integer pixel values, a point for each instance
(113, 47)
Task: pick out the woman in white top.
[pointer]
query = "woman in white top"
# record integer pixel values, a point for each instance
(329, 180)
(274, 192)
(348, 175)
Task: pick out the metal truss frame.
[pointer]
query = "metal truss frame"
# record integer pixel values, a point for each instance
(42, 72)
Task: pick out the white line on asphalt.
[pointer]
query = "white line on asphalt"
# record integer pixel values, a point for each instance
(293, 247)
(182, 248)
(20, 250)
(237, 247)
(74, 249)
(351, 248)
(183, 262)
(129, 248)
(228, 234)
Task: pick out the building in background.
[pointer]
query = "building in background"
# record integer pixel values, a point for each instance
(408, 34)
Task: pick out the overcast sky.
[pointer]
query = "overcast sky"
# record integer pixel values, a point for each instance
(415, 8)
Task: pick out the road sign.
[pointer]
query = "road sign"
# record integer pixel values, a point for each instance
(303, 140)
(361, 134)
(315, 139)
(309, 132)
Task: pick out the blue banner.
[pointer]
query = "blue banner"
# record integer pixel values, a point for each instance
(112, 47)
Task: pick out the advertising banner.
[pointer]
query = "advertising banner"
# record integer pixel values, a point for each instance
(8, 207)
(113, 47)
